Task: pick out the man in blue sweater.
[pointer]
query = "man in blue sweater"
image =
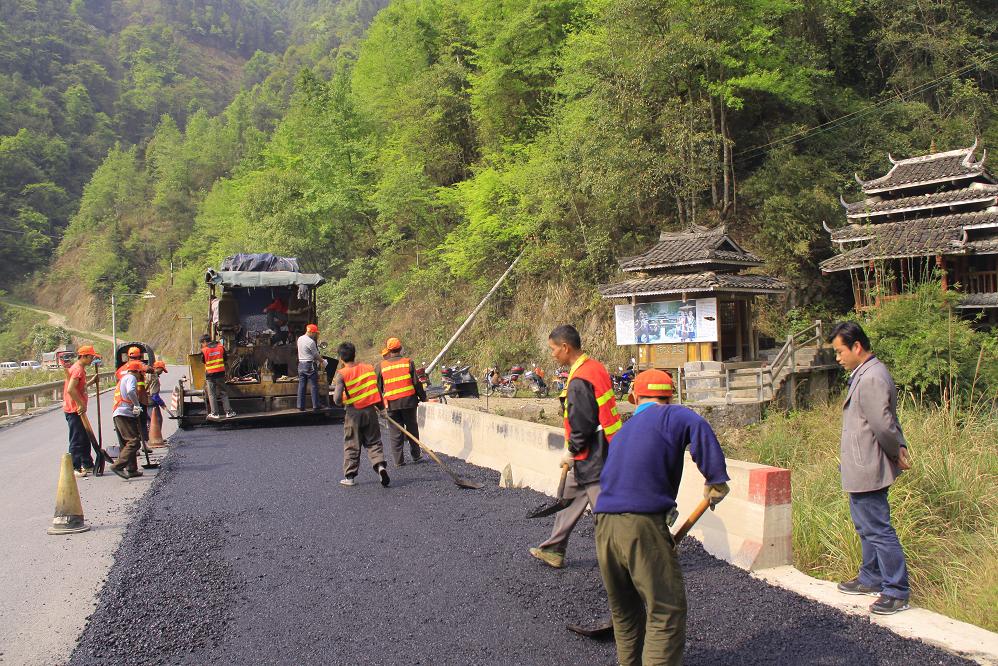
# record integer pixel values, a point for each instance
(634, 511)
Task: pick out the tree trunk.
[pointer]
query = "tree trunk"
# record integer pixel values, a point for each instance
(725, 160)
(714, 195)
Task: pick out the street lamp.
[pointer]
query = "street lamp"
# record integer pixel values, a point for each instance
(114, 322)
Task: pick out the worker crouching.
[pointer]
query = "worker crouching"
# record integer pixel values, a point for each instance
(356, 389)
(634, 511)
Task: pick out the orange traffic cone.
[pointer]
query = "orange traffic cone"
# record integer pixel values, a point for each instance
(156, 428)
(68, 508)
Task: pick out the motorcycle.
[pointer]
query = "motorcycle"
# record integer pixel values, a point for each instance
(422, 377)
(458, 381)
(535, 380)
(504, 385)
(560, 379)
(623, 380)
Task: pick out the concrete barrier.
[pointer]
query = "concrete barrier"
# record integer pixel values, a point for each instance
(751, 528)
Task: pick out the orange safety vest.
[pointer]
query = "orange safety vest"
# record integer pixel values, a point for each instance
(397, 379)
(360, 386)
(118, 398)
(214, 358)
(593, 372)
(140, 384)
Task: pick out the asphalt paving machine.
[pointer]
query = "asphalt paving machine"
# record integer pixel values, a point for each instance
(261, 368)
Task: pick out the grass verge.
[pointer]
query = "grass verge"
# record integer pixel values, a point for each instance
(945, 509)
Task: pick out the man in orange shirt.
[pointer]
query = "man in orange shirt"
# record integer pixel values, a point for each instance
(74, 406)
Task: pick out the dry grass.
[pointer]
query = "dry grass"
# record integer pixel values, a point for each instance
(945, 510)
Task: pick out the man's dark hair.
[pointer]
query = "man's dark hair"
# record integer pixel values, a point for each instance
(205, 338)
(851, 333)
(566, 334)
(347, 352)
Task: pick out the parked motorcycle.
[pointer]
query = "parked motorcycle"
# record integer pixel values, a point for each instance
(504, 385)
(623, 380)
(535, 380)
(560, 379)
(458, 381)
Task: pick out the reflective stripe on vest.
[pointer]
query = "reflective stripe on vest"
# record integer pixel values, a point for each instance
(594, 373)
(214, 359)
(397, 379)
(360, 386)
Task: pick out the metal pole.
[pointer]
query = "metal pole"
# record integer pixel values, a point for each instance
(114, 331)
(471, 317)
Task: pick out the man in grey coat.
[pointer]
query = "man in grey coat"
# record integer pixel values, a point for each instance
(872, 454)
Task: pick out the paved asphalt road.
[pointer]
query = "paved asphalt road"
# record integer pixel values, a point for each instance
(247, 550)
(49, 584)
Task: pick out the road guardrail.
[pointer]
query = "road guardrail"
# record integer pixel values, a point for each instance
(23, 399)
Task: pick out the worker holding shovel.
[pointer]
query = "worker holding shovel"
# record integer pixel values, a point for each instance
(634, 511)
(591, 420)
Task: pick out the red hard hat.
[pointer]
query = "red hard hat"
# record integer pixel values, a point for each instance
(652, 384)
(87, 350)
(160, 364)
(312, 328)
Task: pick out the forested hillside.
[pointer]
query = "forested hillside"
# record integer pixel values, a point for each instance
(411, 163)
(78, 77)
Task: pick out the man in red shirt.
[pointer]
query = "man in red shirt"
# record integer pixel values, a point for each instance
(277, 314)
(74, 405)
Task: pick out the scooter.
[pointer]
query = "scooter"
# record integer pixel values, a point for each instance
(622, 381)
(560, 379)
(504, 385)
(535, 380)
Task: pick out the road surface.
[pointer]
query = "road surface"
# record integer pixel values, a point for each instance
(247, 550)
(50, 583)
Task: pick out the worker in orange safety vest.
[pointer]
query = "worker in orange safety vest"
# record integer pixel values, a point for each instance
(214, 378)
(591, 420)
(402, 394)
(356, 389)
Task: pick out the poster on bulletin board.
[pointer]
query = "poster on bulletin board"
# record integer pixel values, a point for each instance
(667, 322)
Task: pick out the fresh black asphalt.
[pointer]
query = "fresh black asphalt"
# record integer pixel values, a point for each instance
(248, 551)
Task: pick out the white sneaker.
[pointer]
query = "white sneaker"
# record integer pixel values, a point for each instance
(213, 417)
(229, 414)
(348, 481)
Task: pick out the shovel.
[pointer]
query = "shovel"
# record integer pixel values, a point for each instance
(101, 456)
(559, 503)
(145, 437)
(606, 628)
(462, 483)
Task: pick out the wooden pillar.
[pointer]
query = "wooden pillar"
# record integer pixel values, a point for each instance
(941, 265)
(739, 323)
(752, 339)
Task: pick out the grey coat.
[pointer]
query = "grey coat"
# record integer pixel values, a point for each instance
(871, 435)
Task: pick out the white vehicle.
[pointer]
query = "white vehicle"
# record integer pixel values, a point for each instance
(9, 366)
(31, 365)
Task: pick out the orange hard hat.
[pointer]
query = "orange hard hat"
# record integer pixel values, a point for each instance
(134, 352)
(134, 366)
(312, 328)
(392, 344)
(160, 364)
(87, 350)
(651, 384)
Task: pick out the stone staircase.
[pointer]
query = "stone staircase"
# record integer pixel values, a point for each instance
(754, 382)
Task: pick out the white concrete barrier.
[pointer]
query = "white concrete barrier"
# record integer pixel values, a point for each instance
(751, 528)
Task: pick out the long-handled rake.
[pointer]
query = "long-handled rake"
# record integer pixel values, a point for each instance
(462, 483)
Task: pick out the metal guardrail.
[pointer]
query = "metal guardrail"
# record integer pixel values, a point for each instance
(23, 399)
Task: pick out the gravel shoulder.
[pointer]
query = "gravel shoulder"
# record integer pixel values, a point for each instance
(247, 550)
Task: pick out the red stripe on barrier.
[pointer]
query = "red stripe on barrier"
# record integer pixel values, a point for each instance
(769, 486)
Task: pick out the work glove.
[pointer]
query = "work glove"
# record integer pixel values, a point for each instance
(715, 493)
(136, 410)
(567, 459)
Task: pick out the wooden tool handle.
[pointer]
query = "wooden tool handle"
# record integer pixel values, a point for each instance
(561, 482)
(693, 518)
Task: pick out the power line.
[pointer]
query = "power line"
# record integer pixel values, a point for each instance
(790, 139)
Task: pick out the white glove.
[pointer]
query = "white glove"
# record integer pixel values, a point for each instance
(568, 459)
(136, 410)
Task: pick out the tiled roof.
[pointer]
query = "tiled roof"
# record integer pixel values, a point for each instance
(702, 246)
(979, 301)
(927, 169)
(909, 238)
(860, 232)
(696, 282)
(983, 246)
(985, 193)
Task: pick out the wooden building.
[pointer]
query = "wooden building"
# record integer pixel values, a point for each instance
(931, 214)
(690, 301)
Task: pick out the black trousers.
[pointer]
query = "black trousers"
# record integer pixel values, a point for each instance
(79, 442)
(396, 440)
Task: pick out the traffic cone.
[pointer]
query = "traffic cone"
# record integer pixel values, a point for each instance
(156, 428)
(68, 508)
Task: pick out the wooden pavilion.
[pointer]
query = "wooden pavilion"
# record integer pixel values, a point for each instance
(934, 214)
(690, 300)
